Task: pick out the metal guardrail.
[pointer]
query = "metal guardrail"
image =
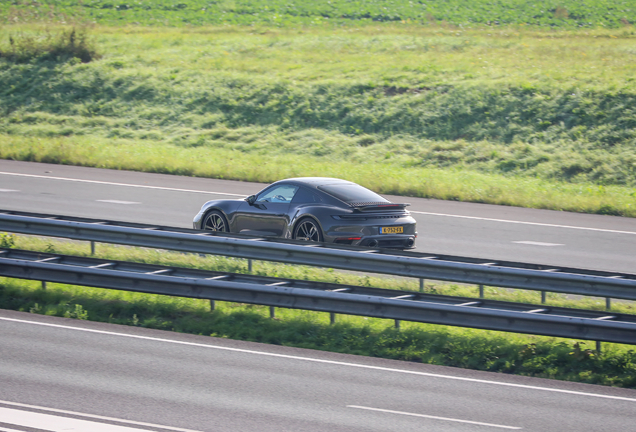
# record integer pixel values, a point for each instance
(316, 296)
(410, 264)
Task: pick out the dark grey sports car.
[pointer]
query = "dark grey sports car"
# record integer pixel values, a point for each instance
(314, 209)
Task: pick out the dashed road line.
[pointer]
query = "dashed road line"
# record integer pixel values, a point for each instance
(536, 243)
(434, 417)
(118, 202)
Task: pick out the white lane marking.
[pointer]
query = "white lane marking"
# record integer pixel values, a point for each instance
(525, 223)
(433, 417)
(118, 202)
(309, 359)
(121, 184)
(534, 243)
(4, 415)
(9, 190)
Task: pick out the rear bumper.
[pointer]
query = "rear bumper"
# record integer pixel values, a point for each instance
(378, 241)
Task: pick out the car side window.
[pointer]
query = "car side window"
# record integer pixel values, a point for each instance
(304, 196)
(278, 194)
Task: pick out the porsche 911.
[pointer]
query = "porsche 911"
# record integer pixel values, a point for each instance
(314, 209)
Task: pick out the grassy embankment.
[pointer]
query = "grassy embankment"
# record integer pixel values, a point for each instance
(514, 116)
(476, 349)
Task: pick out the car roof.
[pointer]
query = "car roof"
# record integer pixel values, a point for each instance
(314, 182)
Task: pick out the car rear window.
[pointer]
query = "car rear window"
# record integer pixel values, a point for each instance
(352, 193)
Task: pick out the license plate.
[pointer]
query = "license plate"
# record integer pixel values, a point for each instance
(391, 230)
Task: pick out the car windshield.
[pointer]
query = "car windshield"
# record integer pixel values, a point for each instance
(352, 193)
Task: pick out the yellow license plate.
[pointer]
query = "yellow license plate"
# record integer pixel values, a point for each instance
(391, 230)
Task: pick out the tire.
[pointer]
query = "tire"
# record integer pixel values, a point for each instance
(308, 230)
(215, 221)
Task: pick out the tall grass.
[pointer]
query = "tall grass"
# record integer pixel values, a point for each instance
(67, 44)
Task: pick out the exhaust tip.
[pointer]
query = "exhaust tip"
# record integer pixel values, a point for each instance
(373, 243)
(410, 242)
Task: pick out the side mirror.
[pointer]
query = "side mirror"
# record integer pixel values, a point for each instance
(251, 199)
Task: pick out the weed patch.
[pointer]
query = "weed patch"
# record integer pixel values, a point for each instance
(71, 44)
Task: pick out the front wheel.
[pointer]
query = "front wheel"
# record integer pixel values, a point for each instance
(308, 230)
(215, 221)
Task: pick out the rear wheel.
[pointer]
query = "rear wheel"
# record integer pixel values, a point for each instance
(215, 221)
(308, 230)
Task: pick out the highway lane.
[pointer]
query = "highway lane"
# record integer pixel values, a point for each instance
(477, 230)
(68, 370)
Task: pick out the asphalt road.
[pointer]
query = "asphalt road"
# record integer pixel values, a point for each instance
(59, 374)
(465, 229)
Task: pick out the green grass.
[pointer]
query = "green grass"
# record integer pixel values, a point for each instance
(564, 13)
(476, 349)
(520, 117)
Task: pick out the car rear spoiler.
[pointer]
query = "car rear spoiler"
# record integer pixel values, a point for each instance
(379, 206)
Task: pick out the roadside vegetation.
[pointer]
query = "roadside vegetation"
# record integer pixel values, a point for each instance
(492, 351)
(284, 13)
(505, 116)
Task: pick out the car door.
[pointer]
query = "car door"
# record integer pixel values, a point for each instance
(268, 214)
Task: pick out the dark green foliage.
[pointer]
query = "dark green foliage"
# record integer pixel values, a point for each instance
(67, 45)
(564, 14)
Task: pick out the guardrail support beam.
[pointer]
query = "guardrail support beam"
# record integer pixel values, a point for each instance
(481, 291)
(92, 248)
(272, 312)
(543, 295)
(421, 284)
(608, 303)
(332, 318)
(212, 305)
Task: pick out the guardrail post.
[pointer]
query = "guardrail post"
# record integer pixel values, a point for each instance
(332, 318)
(481, 291)
(421, 285)
(542, 297)
(272, 312)
(212, 305)
(249, 266)
(598, 347)
(43, 285)
(608, 303)
(92, 248)
(397, 324)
